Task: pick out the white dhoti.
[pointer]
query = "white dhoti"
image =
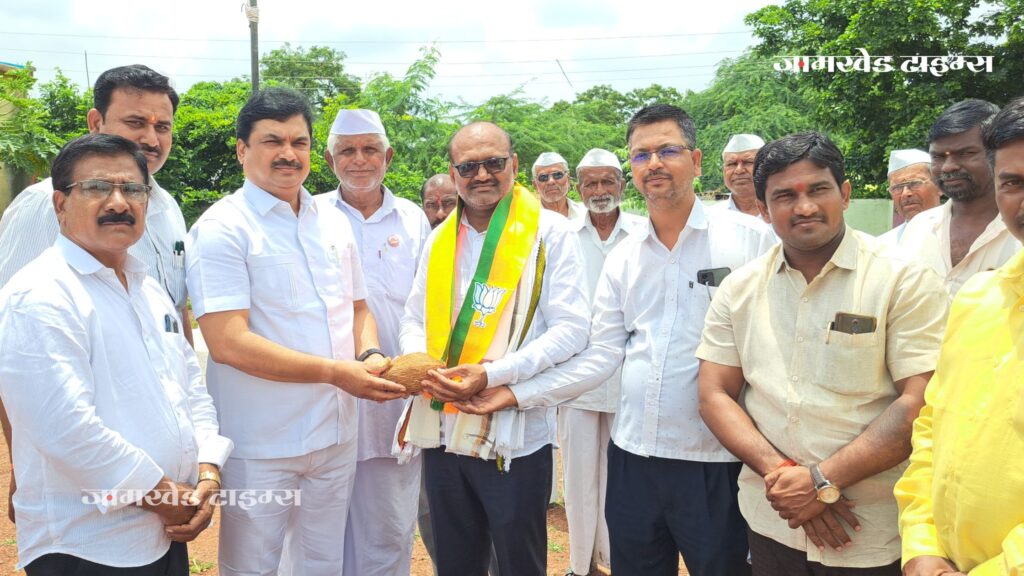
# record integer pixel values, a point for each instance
(382, 518)
(584, 436)
(252, 536)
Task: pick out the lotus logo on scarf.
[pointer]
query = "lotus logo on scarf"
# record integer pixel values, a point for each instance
(485, 301)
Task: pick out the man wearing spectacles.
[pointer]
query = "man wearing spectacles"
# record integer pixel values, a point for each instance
(671, 484)
(117, 447)
(138, 104)
(738, 174)
(911, 188)
(551, 180)
(499, 296)
(965, 235)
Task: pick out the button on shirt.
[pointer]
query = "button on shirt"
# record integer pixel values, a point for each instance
(389, 244)
(811, 390)
(648, 315)
(961, 496)
(559, 327)
(604, 398)
(101, 398)
(29, 226)
(298, 276)
(926, 240)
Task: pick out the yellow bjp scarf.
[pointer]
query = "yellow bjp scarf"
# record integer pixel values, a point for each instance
(465, 338)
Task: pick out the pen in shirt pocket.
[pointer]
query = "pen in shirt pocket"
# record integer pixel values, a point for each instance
(170, 324)
(179, 254)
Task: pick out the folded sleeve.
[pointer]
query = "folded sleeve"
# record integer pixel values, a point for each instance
(216, 271)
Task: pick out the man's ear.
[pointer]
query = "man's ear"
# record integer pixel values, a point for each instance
(846, 189)
(59, 198)
(240, 149)
(763, 209)
(93, 119)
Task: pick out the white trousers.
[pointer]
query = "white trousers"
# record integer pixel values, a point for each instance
(252, 537)
(382, 518)
(584, 435)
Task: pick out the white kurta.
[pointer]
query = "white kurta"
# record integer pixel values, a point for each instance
(382, 514)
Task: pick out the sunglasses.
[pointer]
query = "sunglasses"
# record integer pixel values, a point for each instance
(101, 190)
(551, 176)
(492, 165)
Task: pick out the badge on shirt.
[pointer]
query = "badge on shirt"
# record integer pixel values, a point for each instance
(394, 241)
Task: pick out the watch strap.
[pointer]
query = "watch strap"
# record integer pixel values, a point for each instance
(818, 478)
(370, 352)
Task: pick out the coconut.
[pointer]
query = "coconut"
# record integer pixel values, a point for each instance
(409, 369)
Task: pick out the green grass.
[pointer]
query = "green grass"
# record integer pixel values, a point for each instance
(555, 547)
(197, 566)
(9, 542)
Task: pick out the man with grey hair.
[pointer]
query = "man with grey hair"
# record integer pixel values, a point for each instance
(390, 233)
(585, 424)
(737, 173)
(551, 180)
(911, 188)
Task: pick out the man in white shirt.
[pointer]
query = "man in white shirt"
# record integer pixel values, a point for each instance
(114, 426)
(389, 233)
(965, 235)
(912, 189)
(137, 103)
(500, 295)
(277, 287)
(585, 424)
(551, 180)
(738, 174)
(671, 484)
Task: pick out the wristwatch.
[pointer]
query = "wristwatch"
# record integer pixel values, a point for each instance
(370, 352)
(828, 492)
(210, 475)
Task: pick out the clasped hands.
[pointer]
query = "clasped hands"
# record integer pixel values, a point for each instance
(184, 510)
(465, 386)
(790, 490)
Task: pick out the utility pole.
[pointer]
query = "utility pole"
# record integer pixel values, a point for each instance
(253, 15)
(88, 82)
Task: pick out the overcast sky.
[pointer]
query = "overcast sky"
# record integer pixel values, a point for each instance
(486, 48)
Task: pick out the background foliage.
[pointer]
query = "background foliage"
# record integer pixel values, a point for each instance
(867, 114)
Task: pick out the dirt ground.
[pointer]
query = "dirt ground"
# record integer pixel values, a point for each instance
(203, 552)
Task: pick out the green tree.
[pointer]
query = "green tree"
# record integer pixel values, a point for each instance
(318, 71)
(26, 144)
(877, 111)
(66, 107)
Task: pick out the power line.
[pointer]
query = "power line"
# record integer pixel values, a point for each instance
(415, 42)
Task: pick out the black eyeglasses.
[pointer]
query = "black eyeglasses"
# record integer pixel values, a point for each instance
(101, 190)
(551, 176)
(492, 165)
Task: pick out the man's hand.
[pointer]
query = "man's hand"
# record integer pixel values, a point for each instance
(376, 364)
(826, 528)
(204, 499)
(791, 492)
(170, 501)
(356, 379)
(929, 566)
(456, 384)
(489, 400)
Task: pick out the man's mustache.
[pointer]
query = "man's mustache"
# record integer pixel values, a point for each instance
(287, 164)
(117, 218)
(955, 176)
(149, 148)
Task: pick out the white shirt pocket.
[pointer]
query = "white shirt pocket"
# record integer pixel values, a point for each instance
(272, 280)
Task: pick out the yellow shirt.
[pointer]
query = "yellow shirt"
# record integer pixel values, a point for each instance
(963, 495)
(811, 390)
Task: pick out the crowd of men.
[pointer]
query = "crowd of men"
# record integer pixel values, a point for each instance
(753, 385)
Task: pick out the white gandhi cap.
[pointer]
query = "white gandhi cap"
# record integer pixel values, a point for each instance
(599, 158)
(899, 159)
(549, 159)
(352, 122)
(742, 143)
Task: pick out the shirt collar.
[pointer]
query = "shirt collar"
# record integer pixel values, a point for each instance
(386, 207)
(1013, 271)
(263, 201)
(845, 255)
(697, 220)
(159, 199)
(85, 263)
